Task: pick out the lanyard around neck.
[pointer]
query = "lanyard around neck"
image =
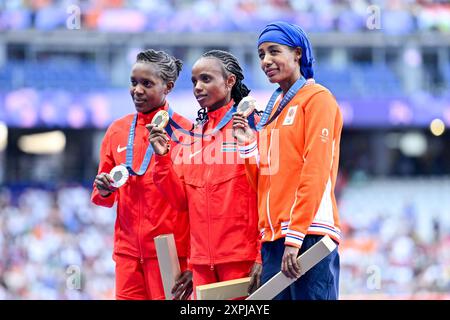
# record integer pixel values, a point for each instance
(287, 97)
(129, 155)
(222, 123)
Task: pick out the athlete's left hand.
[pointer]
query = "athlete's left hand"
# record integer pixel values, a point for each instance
(289, 265)
(255, 280)
(182, 289)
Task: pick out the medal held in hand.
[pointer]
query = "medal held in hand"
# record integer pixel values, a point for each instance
(120, 175)
(161, 119)
(246, 106)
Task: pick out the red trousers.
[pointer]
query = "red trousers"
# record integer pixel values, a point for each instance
(204, 274)
(139, 281)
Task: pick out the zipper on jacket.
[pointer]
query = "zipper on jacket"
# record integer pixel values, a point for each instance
(209, 218)
(211, 260)
(138, 181)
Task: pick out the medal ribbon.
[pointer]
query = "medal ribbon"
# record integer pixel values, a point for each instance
(288, 97)
(129, 155)
(173, 125)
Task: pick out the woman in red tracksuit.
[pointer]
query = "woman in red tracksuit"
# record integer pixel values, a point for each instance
(213, 186)
(142, 213)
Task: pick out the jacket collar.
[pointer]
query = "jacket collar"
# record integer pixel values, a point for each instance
(217, 115)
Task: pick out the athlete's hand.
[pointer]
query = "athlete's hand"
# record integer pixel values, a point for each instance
(255, 280)
(183, 286)
(103, 183)
(158, 139)
(241, 129)
(289, 265)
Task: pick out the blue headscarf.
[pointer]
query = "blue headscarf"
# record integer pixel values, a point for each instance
(293, 36)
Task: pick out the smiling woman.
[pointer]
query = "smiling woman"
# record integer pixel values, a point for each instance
(296, 201)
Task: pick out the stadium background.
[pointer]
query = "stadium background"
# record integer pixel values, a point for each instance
(64, 74)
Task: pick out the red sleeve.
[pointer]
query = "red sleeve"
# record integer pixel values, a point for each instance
(250, 153)
(106, 164)
(169, 183)
(167, 176)
(189, 265)
(258, 252)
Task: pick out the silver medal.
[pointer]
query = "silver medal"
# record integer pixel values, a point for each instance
(120, 175)
(246, 106)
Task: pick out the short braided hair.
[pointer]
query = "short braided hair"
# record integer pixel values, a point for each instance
(169, 66)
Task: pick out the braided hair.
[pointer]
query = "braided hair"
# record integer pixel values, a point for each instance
(169, 66)
(230, 66)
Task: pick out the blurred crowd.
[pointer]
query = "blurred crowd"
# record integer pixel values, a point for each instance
(56, 245)
(397, 16)
(396, 238)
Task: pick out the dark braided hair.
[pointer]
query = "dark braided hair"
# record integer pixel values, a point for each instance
(230, 66)
(169, 66)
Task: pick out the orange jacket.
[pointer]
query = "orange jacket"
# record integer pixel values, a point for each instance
(294, 164)
(142, 211)
(213, 187)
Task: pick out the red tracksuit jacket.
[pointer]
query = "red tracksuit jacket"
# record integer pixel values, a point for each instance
(142, 211)
(213, 187)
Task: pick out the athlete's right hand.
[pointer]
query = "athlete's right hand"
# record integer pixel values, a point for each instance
(241, 129)
(158, 138)
(103, 183)
(183, 286)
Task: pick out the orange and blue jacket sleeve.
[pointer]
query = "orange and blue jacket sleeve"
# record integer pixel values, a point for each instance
(105, 165)
(169, 183)
(320, 114)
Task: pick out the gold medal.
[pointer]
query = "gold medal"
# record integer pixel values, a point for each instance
(120, 175)
(246, 106)
(161, 119)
